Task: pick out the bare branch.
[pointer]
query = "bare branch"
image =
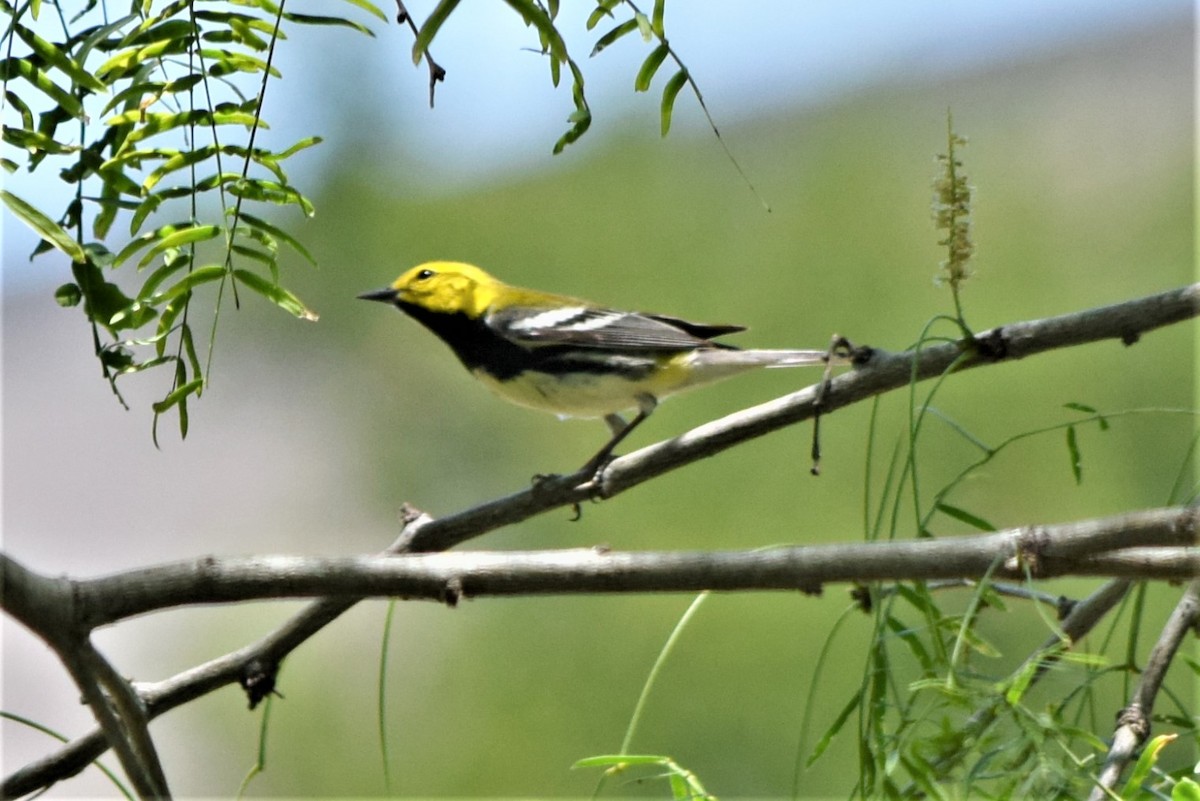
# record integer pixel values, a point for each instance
(1134, 721)
(47, 606)
(1040, 551)
(122, 717)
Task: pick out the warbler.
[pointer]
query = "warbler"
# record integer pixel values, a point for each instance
(569, 356)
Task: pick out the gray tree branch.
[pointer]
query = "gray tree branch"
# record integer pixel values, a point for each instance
(1134, 721)
(47, 606)
(1040, 551)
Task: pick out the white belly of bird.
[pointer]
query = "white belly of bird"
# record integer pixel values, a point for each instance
(577, 395)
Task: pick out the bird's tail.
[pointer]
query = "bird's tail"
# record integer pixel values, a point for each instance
(766, 358)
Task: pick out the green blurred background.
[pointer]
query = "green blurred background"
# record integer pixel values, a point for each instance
(311, 436)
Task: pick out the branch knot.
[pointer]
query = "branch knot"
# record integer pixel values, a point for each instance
(1030, 547)
(1133, 718)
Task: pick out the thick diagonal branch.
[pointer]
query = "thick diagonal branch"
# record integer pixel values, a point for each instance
(1134, 721)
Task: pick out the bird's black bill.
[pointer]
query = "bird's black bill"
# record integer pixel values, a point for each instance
(387, 295)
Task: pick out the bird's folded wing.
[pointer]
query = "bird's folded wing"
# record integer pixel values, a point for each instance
(591, 327)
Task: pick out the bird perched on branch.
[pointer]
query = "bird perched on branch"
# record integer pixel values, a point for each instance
(570, 356)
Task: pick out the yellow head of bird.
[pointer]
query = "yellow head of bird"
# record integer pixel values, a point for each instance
(447, 287)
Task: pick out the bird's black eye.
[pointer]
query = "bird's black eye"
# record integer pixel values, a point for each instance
(421, 276)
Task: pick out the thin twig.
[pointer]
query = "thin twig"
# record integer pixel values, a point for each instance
(436, 73)
(712, 124)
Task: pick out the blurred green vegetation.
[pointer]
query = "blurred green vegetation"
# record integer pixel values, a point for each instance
(1082, 164)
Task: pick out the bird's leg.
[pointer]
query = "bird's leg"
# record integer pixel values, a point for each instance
(620, 429)
(615, 422)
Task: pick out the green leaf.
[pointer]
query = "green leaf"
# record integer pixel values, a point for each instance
(910, 638)
(138, 367)
(1146, 763)
(25, 68)
(1083, 407)
(656, 21)
(152, 32)
(271, 192)
(617, 760)
(533, 15)
(964, 516)
(109, 202)
(1185, 790)
(117, 358)
(68, 295)
(303, 144)
(100, 35)
(582, 119)
(134, 316)
(103, 301)
(136, 94)
(155, 279)
(166, 321)
(144, 210)
(179, 160)
(178, 395)
(1073, 452)
(643, 23)
(433, 24)
(50, 231)
(279, 234)
(226, 62)
(265, 257)
(183, 410)
(179, 238)
(670, 92)
(35, 141)
(602, 10)
(369, 7)
(21, 108)
(135, 59)
(159, 122)
(59, 59)
(276, 294)
(189, 347)
(1020, 682)
(225, 18)
(649, 67)
(198, 276)
(834, 728)
(314, 19)
(612, 36)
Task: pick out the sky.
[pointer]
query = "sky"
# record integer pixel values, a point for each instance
(497, 111)
(498, 115)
